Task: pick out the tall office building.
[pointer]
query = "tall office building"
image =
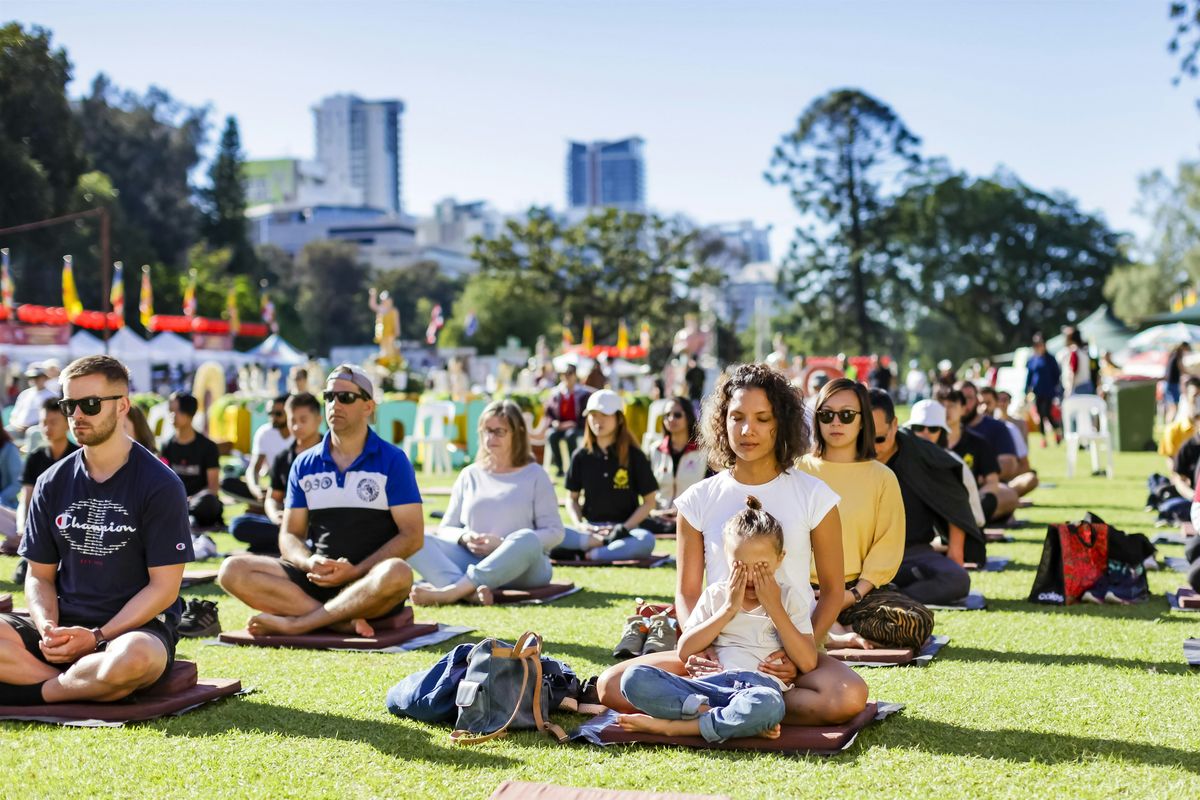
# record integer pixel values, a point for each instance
(358, 142)
(606, 174)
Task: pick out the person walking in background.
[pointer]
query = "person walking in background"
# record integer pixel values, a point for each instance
(1042, 380)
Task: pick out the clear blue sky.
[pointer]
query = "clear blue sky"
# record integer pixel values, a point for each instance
(1074, 96)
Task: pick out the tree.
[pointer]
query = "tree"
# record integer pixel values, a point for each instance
(148, 146)
(846, 155)
(224, 203)
(1185, 40)
(612, 265)
(423, 280)
(331, 296)
(995, 258)
(502, 308)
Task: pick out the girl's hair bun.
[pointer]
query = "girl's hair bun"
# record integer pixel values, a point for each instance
(753, 503)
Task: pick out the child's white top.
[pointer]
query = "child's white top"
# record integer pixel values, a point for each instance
(750, 637)
(798, 500)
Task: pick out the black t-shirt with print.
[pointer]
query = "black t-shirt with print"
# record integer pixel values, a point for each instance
(611, 492)
(106, 536)
(41, 460)
(192, 461)
(977, 453)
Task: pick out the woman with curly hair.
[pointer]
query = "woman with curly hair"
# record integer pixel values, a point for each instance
(754, 431)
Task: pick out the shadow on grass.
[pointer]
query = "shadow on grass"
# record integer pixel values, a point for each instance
(398, 738)
(1022, 745)
(1152, 609)
(954, 653)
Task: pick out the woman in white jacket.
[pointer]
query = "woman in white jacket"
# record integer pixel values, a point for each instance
(677, 462)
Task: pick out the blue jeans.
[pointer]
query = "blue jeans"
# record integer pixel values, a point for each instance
(519, 562)
(742, 703)
(639, 544)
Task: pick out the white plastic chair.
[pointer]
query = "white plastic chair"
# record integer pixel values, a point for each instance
(432, 429)
(654, 434)
(1080, 412)
(538, 435)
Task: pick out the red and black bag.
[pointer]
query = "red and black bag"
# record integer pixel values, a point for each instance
(1074, 558)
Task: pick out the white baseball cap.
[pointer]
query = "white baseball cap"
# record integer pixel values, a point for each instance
(606, 401)
(929, 413)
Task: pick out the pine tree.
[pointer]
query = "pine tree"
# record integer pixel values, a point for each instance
(225, 203)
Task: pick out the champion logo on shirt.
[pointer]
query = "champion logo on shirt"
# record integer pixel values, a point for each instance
(95, 527)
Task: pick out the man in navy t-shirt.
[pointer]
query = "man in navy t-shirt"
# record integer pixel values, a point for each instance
(355, 498)
(107, 539)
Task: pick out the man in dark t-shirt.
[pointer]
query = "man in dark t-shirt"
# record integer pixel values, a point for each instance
(107, 540)
(196, 460)
(261, 531)
(355, 498)
(999, 501)
(57, 447)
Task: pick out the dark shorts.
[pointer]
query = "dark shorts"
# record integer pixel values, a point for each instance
(164, 632)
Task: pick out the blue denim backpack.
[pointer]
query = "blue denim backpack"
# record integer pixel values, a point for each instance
(503, 688)
(428, 695)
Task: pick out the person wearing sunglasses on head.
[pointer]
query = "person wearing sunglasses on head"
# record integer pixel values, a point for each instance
(106, 540)
(935, 503)
(355, 498)
(677, 463)
(872, 514)
(196, 460)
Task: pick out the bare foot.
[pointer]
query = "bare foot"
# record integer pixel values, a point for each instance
(265, 624)
(641, 723)
(423, 594)
(772, 732)
(363, 628)
(484, 596)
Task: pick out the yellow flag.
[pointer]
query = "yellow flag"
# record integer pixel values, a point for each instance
(622, 336)
(231, 306)
(588, 338)
(146, 302)
(71, 303)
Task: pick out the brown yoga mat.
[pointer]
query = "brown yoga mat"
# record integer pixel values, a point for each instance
(652, 560)
(879, 655)
(524, 790)
(180, 691)
(196, 577)
(1188, 598)
(794, 738)
(5, 603)
(539, 594)
(389, 632)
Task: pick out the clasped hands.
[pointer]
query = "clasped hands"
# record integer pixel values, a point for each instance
(479, 544)
(64, 645)
(328, 572)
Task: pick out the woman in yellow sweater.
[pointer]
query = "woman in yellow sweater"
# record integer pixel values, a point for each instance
(872, 513)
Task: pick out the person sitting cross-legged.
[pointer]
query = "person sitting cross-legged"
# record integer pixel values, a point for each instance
(196, 460)
(355, 498)
(261, 531)
(501, 523)
(107, 539)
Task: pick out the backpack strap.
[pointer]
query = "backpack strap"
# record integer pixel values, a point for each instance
(545, 726)
(459, 736)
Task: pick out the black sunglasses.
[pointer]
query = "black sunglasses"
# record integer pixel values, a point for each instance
(923, 428)
(676, 415)
(90, 405)
(345, 398)
(880, 439)
(846, 415)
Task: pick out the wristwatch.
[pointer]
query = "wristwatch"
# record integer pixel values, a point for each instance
(857, 596)
(100, 640)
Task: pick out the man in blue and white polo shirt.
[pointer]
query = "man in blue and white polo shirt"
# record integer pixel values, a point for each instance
(354, 498)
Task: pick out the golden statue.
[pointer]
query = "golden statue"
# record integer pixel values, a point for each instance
(387, 327)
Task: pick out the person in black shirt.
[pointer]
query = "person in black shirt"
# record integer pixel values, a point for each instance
(196, 460)
(934, 500)
(107, 540)
(261, 531)
(57, 447)
(879, 377)
(998, 500)
(617, 485)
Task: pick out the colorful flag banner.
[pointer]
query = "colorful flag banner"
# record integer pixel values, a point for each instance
(6, 284)
(435, 324)
(71, 302)
(589, 339)
(231, 310)
(471, 325)
(189, 297)
(146, 302)
(268, 312)
(644, 337)
(622, 336)
(567, 338)
(116, 294)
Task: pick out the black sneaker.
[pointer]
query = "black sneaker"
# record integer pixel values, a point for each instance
(20, 572)
(199, 619)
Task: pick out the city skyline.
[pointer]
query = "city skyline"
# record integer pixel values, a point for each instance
(1079, 102)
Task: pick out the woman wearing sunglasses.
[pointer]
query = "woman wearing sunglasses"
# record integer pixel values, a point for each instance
(677, 462)
(872, 513)
(754, 430)
(501, 523)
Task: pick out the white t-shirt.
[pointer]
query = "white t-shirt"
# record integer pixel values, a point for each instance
(1018, 440)
(27, 410)
(270, 442)
(748, 638)
(798, 500)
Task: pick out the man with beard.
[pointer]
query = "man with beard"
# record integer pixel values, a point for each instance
(355, 498)
(106, 540)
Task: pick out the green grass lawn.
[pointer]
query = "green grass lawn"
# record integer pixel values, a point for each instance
(1026, 701)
